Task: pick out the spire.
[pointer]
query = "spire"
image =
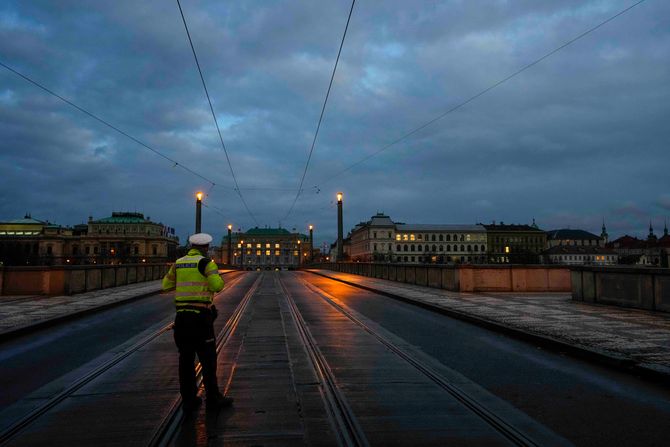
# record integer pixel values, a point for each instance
(665, 228)
(534, 225)
(603, 235)
(651, 229)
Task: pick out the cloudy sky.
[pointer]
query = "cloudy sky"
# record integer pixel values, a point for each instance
(581, 136)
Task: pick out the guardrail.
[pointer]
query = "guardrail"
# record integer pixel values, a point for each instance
(68, 280)
(641, 288)
(465, 278)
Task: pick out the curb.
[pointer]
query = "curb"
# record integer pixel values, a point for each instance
(647, 370)
(23, 330)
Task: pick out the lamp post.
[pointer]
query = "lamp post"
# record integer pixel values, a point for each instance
(340, 243)
(299, 253)
(311, 243)
(198, 212)
(242, 254)
(230, 243)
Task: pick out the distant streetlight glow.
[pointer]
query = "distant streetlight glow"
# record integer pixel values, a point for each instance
(198, 195)
(230, 227)
(339, 196)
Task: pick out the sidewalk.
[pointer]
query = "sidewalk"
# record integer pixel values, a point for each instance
(637, 339)
(22, 314)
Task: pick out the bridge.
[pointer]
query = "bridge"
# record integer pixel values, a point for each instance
(317, 357)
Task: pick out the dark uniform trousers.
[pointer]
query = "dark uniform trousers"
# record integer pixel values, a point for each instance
(194, 334)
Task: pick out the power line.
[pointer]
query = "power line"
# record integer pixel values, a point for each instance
(481, 93)
(211, 108)
(111, 126)
(323, 109)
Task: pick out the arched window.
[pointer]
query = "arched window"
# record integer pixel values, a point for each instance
(411, 247)
(448, 237)
(420, 247)
(462, 248)
(483, 248)
(462, 237)
(469, 249)
(455, 237)
(448, 247)
(434, 248)
(398, 247)
(405, 248)
(441, 238)
(441, 247)
(426, 248)
(476, 247)
(432, 237)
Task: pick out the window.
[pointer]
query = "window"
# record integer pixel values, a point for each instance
(420, 247)
(418, 236)
(154, 250)
(448, 238)
(434, 247)
(469, 248)
(413, 259)
(441, 238)
(267, 252)
(441, 247)
(95, 250)
(276, 245)
(448, 247)
(432, 237)
(462, 248)
(398, 247)
(476, 247)
(258, 245)
(295, 253)
(397, 237)
(375, 246)
(239, 245)
(88, 250)
(389, 235)
(405, 258)
(405, 248)
(405, 237)
(462, 238)
(411, 247)
(412, 237)
(267, 245)
(483, 248)
(427, 248)
(136, 248)
(374, 234)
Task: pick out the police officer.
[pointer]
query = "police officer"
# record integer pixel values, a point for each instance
(196, 279)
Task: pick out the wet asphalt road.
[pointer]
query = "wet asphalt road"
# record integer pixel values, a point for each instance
(588, 404)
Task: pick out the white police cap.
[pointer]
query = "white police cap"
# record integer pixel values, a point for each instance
(200, 239)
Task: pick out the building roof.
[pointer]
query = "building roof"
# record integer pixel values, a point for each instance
(381, 220)
(123, 217)
(27, 220)
(442, 227)
(566, 233)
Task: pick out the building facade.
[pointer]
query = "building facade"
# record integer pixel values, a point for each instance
(569, 237)
(121, 238)
(267, 248)
(580, 255)
(515, 244)
(382, 240)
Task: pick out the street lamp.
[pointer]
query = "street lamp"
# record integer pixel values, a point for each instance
(242, 254)
(340, 243)
(198, 212)
(311, 243)
(230, 243)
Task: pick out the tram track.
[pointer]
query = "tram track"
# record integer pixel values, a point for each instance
(342, 418)
(15, 428)
(498, 423)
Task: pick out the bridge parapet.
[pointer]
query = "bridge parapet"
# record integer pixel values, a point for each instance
(68, 280)
(466, 278)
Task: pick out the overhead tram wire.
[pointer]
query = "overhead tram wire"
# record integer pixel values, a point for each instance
(481, 93)
(216, 122)
(111, 126)
(323, 109)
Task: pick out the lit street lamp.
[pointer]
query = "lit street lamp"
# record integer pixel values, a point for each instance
(198, 212)
(311, 243)
(340, 242)
(230, 243)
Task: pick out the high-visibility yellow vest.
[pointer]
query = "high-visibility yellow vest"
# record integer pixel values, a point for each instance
(193, 289)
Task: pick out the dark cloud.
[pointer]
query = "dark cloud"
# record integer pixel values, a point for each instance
(578, 138)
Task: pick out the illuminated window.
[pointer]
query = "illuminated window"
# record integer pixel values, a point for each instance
(412, 237)
(258, 245)
(277, 252)
(267, 245)
(267, 252)
(506, 249)
(239, 245)
(276, 245)
(418, 236)
(258, 252)
(405, 237)
(295, 253)
(467, 237)
(248, 245)
(397, 237)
